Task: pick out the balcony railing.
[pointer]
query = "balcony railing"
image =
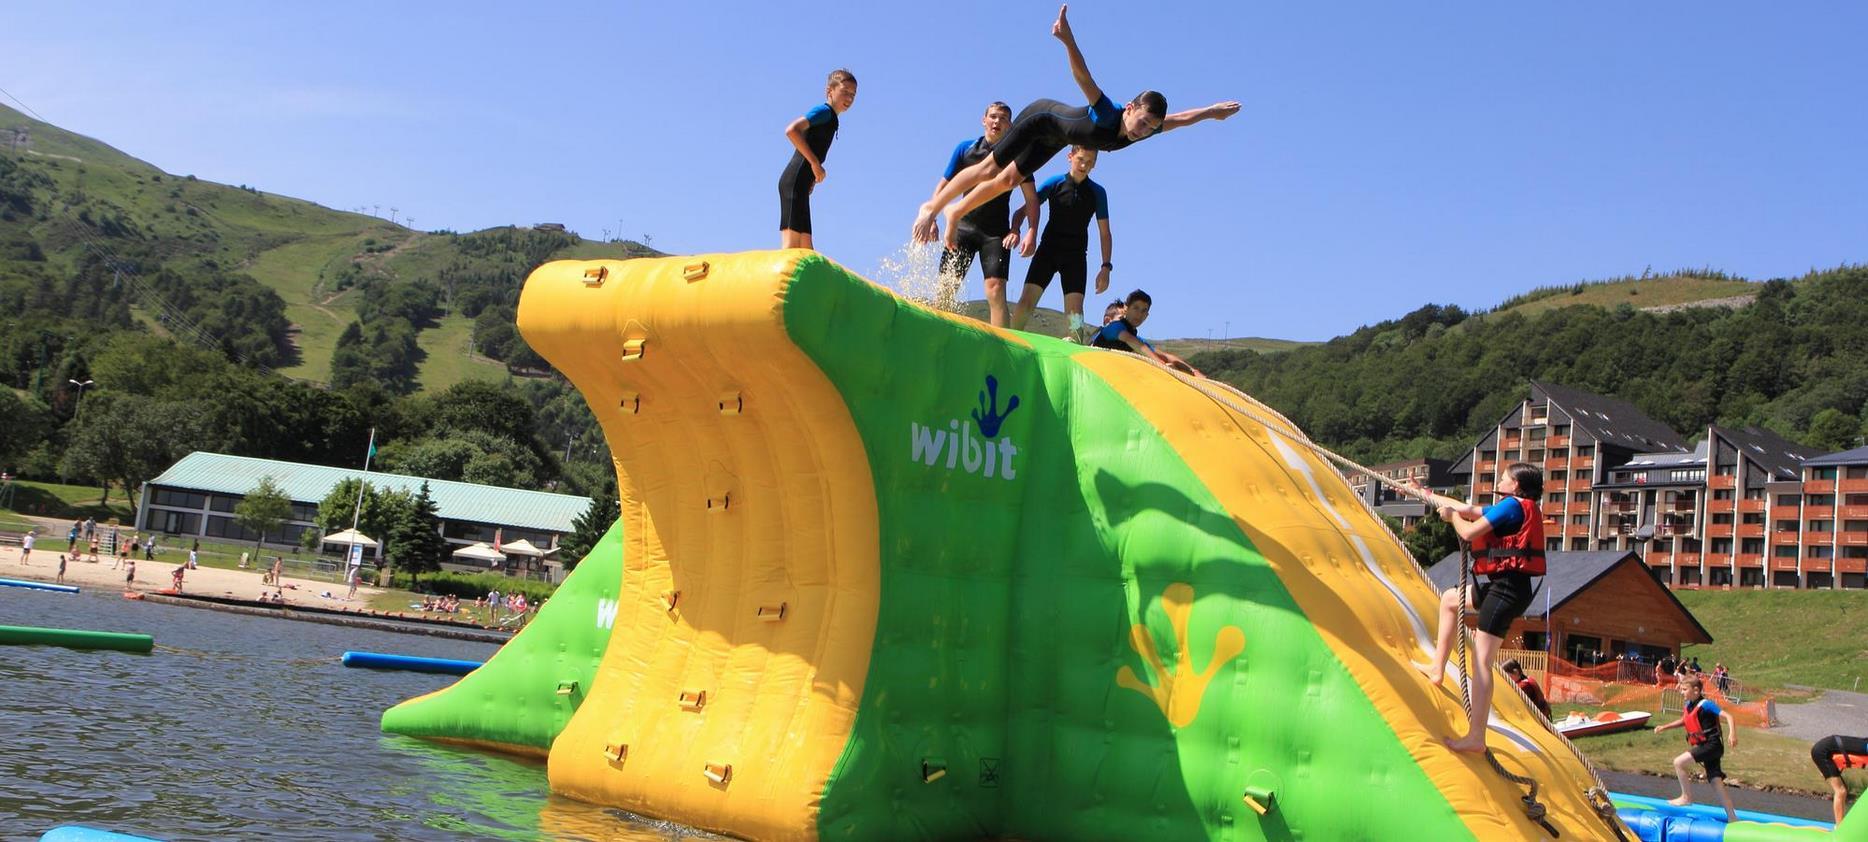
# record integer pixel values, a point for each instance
(1819, 512)
(1750, 530)
(1784, 536)
(1852, 565)
(1718, 530)
(1751, 506)
(1717, 481)
(1852, 539)
(1751, 559)
(1557, 441)
(1852, 511)
(1819, 486)
(1857, 484)
(1485, 466)
(1783, 563)
(1719, 559)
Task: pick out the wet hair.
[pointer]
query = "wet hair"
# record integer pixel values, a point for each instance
(1138, 295)
(1530, 480)
(1153, 102)
(999, 106)
(838, 77)
(1511, 666)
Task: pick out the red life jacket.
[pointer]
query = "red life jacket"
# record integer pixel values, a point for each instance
(1520, 552)
(1697, 732)
(1850, 761)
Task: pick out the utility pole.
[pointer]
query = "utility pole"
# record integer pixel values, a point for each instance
(77, 408)
(392, 216)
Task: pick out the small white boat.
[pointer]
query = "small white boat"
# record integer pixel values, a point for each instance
(1577, 724)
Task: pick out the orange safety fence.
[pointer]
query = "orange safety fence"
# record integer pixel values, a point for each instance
(1585, 686)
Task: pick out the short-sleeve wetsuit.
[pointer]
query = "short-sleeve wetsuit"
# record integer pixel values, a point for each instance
(1064, 248)
(794, 186)
(1046, 126)
(983, 230)
(1110, 336)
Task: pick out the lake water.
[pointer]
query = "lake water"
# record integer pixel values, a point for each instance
(243, 727)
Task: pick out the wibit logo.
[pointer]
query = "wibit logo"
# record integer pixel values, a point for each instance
(606, 613)
(1178, 693)
(965, 449)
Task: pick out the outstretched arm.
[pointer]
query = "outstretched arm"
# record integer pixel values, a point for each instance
(1216, 111)
(1078, 69)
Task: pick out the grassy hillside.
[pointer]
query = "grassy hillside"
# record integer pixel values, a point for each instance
(1778, 638)
(1686, 288)
(93, 200)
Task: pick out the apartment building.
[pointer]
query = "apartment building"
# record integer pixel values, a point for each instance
(1706, 508)
(1819, 523)
(1577, 438)
(1435, 474)
(1741, 508)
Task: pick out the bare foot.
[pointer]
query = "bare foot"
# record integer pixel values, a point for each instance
(1682, 801)
(1468, 745)
(952, 217)
(923, 231)
(1434, 677)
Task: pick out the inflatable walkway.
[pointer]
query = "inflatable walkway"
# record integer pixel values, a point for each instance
(891, 574)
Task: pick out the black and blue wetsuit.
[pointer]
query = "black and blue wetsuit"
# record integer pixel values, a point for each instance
(982, 231)
(1046, 126)
(1064, 249)
(1110, 336)
(794, 186)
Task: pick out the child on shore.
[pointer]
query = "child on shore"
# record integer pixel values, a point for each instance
(1064, 249)
(25, 550)
(61, 569)
(1508, 550)
(1515, 672)
(1044, 128)
(1704, 723)
(1123, 334)
(810, 136)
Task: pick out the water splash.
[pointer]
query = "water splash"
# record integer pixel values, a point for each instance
(913, 272)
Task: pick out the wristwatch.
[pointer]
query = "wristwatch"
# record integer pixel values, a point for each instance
(1108, 265)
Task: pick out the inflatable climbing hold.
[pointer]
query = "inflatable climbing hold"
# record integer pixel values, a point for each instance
(942, 581)
(79, 833)
(75, 639)
(523, 696)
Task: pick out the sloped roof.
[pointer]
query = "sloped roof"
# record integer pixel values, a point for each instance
(1611, 421)
(1570, 574)
(1782, 457)
(1858, 456)
(220, 473)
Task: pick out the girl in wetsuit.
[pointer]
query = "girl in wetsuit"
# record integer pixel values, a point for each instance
(810, 135)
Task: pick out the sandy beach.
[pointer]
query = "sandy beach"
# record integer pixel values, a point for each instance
(156, 576)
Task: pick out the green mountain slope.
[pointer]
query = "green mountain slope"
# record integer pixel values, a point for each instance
(70, 200)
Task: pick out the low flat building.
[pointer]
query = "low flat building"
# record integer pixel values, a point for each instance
(1598, 604)
(1435, 474)
(195, 498)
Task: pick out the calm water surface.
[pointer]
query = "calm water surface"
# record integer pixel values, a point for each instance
(248, 728)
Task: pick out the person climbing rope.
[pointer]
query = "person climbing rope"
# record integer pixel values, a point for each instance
(1044, 128)
(1508, 550)
(810, 136)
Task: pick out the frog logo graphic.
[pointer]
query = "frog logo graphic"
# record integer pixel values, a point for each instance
(1178, 693)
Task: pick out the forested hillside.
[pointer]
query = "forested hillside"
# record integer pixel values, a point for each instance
(1795, 360)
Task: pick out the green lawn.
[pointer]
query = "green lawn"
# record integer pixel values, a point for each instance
(449, 360)
(1770, 639)
(50, 499)
(1650, 292)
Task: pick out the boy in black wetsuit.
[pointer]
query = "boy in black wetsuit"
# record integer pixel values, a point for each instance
(810, 135)
(986, 232)
(1123, 334)
(1044, 128)
(1064, 249)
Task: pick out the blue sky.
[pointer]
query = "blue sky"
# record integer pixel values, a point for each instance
(1388, 155)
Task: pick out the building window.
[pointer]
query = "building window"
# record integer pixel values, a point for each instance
(1751, 546)
(1784, 551)
(223, 503)
(1722, 494)
(1579, 520)
(1722, 546)
(1822, 499)
(1687, 476)
(1554, 498)
(1754, 493)
(1857, 472)
(174, 523)
(1752, 519)
(1584, 451)
(1559, 453)
(1822, 473)
(1535, 456)
(1727, 470)
(1822, 551)
(179, 499)
(1786, 526)
(1487, 455)
(1553, 544)
(1789, 499)
(1560, 430)
(1722, 518)
(1579, 544)
(1822, 526)
(1559, 476)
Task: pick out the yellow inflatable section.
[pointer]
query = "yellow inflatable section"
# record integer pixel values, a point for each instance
(890, 574)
